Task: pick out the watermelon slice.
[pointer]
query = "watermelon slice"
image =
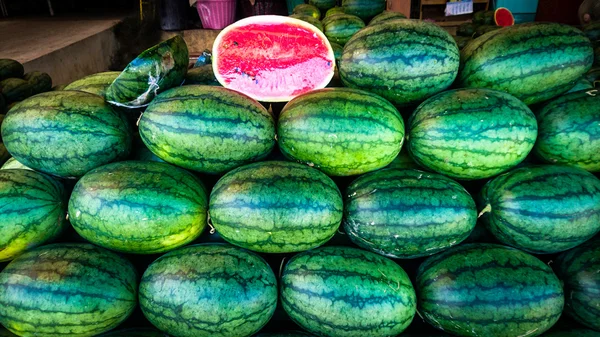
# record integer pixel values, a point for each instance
(503, 17)
(273, 58)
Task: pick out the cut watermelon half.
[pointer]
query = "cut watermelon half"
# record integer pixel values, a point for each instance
(503, 17)
(273, 58)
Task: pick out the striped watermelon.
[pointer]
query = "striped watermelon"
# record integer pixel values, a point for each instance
(542, 209)
(12, 163)
(544, 60)
(136, 332)
(390, 59)
(310, 19)
(72, 290)
(347, 292)
(201, 75)
(209, 290)
(307, 10)
(320, 130)
(39, 81)
(333, 11)
(33, 211)
(66, 133)
(15, 89)
(10, 69)
(404, 161)
(207, 129)
(407, 213)
(139, 207)
(569, 131)
(471, 133)
(579, 269)
(340, 28)
(276, 207)
(323, 5)
(155, 70)
(386, 16)
(364, 9)
(488, 290)
(95, 83)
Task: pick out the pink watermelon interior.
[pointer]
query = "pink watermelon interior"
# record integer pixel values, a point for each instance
(272, 58)
(503, 17)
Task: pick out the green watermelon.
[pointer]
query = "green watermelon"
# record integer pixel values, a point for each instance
(544, 60)
(323, 5)
(479, 18)
(337, 51)
(364, 9)
(309, 19)
(209, 290)
(307, 10)
(68, 289)
(542, 209)
(480, 30)
(58, 87)
(347, 292)
(135, 332)
(407, 213)
(462, 41)
(10, 69)
(404, 161)
(12, 163)
(466, 29)
(579, 269)
(34, 209)
(386, 16)
(118, 206)
(592, 31)
(276, 207)
(207, 129)
(340, 28)
(569, 131)
(581, 85)
(95, 83)
(488, 290)
(201, 75)
(40, 82)
(333, 11)
(141, 153)
(66, 133)
(341, 131)
(471, 133)
(391, 60)
(15, 89)
(155, 70)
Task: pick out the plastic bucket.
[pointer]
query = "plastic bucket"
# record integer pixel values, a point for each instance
(216, 14)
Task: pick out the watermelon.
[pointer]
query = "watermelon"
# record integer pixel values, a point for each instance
(386, 16)
(404, 161)
(462, 41)
(323, 5)
(276, 207)
(34, 209)
(364, 9)
(333, 11)
(337, 51)
(340, 28)
(581, 85)
(592, 31)
(58, 87)
(118, 206)
(479, 18)
(407, 213)
(309, 19)
(485, 29)
(272, 58)
(155, 70)
(384, 60)
(95, 83)
(488, 290)
(207, 129)
(15, 89)
(466, 29)
(542, 209)
(471, 133)
(341, 131)
(569, 131)
(201, 75)
(307, 10)
(10, 69)
(135, 332)
(40, 82)
(579, 269)
(209, 290)
(347, 292)
(543, 61)
(66, 290)
(66, 133)
(141, 153)
(12, 163)
(503, 17)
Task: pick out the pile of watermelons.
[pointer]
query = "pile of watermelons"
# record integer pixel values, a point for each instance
(427, 192)
(16, 86)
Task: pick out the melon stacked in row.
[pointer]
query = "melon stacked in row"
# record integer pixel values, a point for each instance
(265, 202)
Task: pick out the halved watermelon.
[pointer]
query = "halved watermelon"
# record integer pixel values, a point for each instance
(273, 58)
(503, 17)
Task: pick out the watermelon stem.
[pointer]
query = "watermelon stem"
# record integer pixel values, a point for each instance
(487, 209)
(209, 223)
(281, 266)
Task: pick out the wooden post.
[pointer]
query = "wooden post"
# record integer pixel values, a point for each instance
(402, 6)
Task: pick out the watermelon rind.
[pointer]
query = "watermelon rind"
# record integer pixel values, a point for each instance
(95, 83)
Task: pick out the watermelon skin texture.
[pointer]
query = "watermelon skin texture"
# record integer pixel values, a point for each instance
(66, 133)
(139, 207)
(386, 16)
(323, 5)
(201, 75)
(213, 290)
(542, 209)
(579, 269)
(276, 207)
(544, 60)
(207, 129)
(307, 10)
(155, 70)
(320, 129)
(364, 9)
(310, 19)
(345, 292)
(12, 163)
(340, 28)
(95, 83)
(39, 81)
(34, 211)
(407, 213)
(10, 69)
(471, 133)
(74, 290)
(391, 60)
(334, 11)
(15, 89)
(569, 131)
(488, 290)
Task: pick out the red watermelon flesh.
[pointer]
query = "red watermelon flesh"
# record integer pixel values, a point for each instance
(273, 58)
(503, 17)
